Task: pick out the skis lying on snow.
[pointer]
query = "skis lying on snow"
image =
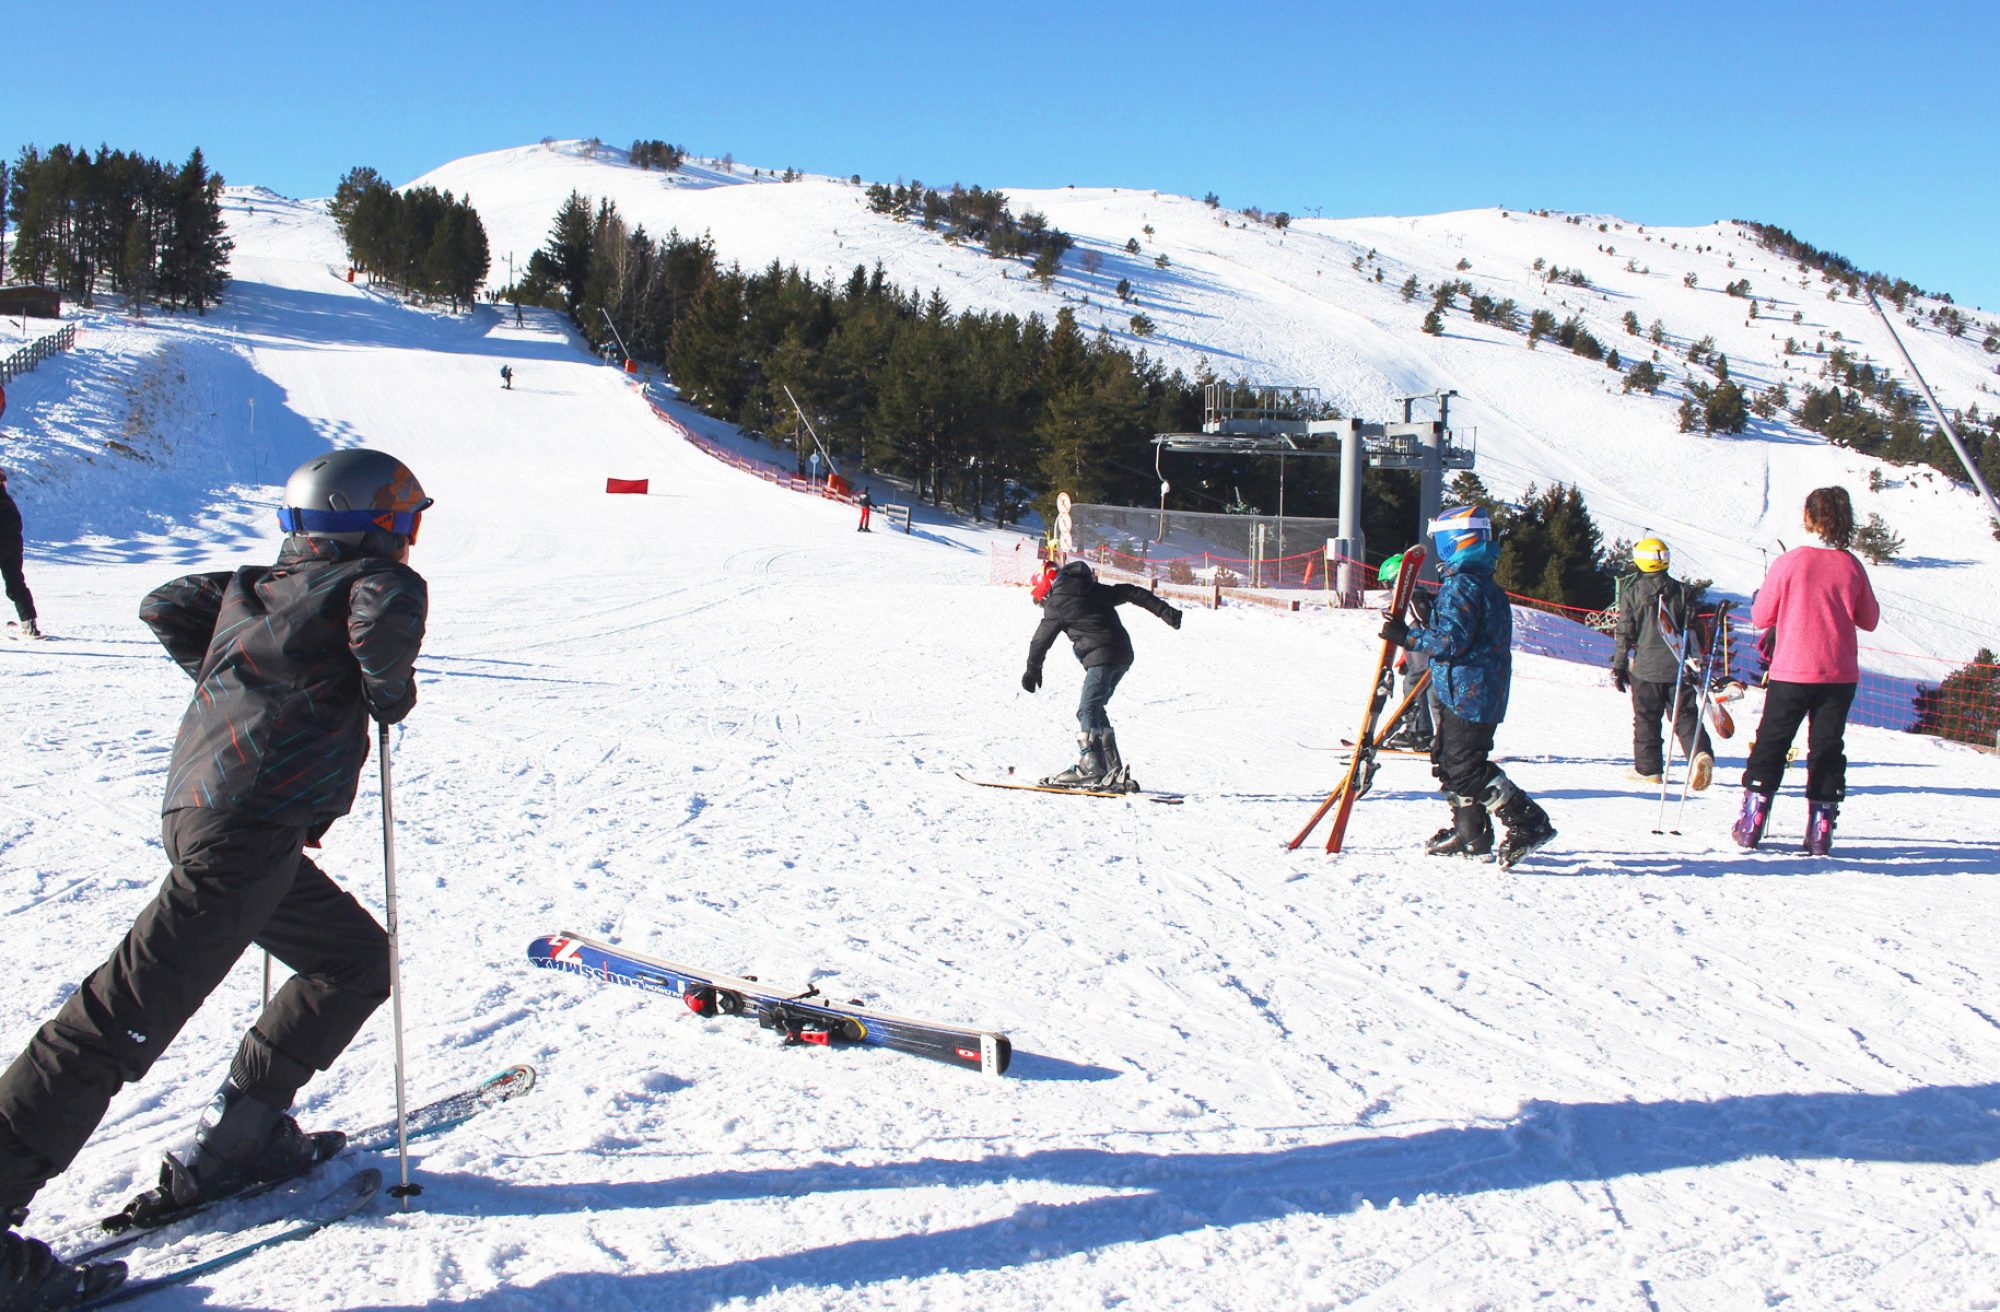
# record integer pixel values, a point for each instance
(1361, 769)
(806, 1017)
(115, 1233)
(315, 1214)
(1170, 799)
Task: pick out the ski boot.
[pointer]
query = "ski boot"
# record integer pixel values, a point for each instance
(1819, 827)
(1469, 834)
(241, 1142)
(1404, 738)
(1089, 767)
(33, 1279)
(1748, 830)
(1638, 776)
(1702, 772)
(1117, 776)
(1528, 826)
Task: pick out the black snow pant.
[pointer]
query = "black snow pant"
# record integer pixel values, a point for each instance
(1651, 703)
(1459, 755)
(17, 583)
(234, 882)
(1786, 705)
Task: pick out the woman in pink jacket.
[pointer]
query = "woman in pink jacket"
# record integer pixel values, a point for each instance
(1813, 601)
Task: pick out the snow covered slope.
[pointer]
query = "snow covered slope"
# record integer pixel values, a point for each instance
(718, 724)
(1304, 306)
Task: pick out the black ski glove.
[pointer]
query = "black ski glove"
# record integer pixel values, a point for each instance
(1621, 677)
(1172, 616)
(1031, 679)
(1395, 631)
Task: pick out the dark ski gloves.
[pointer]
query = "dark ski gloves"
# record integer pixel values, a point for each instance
(1395, 631)
(1031, 680)
(1621, 677)
(1172, 616)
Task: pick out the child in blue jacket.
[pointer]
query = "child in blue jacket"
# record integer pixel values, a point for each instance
(1468, 635)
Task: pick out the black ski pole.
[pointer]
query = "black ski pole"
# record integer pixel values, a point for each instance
(404, 1190)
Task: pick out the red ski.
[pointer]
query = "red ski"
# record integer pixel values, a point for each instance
(1359, 770)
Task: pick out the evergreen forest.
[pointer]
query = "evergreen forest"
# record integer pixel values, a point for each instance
(116, 221)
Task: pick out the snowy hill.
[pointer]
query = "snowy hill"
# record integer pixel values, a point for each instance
(717, 724)
(1292, 307)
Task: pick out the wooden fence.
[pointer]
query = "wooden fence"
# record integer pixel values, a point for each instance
(35, 352)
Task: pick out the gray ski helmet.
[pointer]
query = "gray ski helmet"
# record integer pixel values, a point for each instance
(347, 496)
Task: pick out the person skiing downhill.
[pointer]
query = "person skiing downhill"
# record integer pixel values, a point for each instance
(1075, 603)
(290, 661)
(1644, 661)
(1469, 636)
(1813, 600)
(12, 551)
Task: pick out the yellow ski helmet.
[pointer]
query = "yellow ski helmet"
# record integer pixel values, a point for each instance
(1651, 555)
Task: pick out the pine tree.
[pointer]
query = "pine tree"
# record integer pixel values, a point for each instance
(194, 260)
(1965, 706)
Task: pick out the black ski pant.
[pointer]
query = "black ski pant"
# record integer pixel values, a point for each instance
(17, 583)
(1786, 706)
(1651, 703)
(234, 882)
(1460, 755)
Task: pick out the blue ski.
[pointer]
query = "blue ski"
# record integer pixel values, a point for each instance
(341, 1201)
(807, 1017)
(433, 1118)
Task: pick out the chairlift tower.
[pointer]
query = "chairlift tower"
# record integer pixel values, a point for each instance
(1285, 421)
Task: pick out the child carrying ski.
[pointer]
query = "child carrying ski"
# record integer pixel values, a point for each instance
(1648, 663)
(1469, 637)
(290, 662)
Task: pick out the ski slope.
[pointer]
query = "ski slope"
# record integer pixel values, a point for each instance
(1303, 306)
(718, 725)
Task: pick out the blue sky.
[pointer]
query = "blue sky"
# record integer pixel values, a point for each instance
(1867, 129)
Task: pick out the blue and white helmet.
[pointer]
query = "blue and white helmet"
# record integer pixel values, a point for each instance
(1458, 532)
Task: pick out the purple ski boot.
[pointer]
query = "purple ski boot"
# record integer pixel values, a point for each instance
(1748, 830)
(1819, 828)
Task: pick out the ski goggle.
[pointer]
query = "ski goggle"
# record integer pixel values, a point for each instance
(298, 519)
(1473, 523)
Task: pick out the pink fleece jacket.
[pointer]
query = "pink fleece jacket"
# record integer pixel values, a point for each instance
(1816, 597)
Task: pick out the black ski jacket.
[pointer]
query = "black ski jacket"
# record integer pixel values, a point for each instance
(289, 661)
(1638, 636)
(1087, 611)
(10, 519)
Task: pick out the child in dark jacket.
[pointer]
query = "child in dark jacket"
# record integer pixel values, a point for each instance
(1469, 638)
(1644, 661)
(290, 662)
(1075, 603)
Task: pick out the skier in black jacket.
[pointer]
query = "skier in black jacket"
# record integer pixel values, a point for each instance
(12, 548)
(290, 661)
(1077, 604)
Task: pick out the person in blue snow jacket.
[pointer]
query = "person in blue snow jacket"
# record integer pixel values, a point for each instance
(1468, 634)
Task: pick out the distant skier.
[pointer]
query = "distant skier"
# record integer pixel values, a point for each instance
(12, 551)
(1469, 637)
(867, 504)
(290, 661)
(1814, 599)
(1643, 661)
(1076, 604)
(507, 376)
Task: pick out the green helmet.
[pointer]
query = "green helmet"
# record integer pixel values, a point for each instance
(1390, 568)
